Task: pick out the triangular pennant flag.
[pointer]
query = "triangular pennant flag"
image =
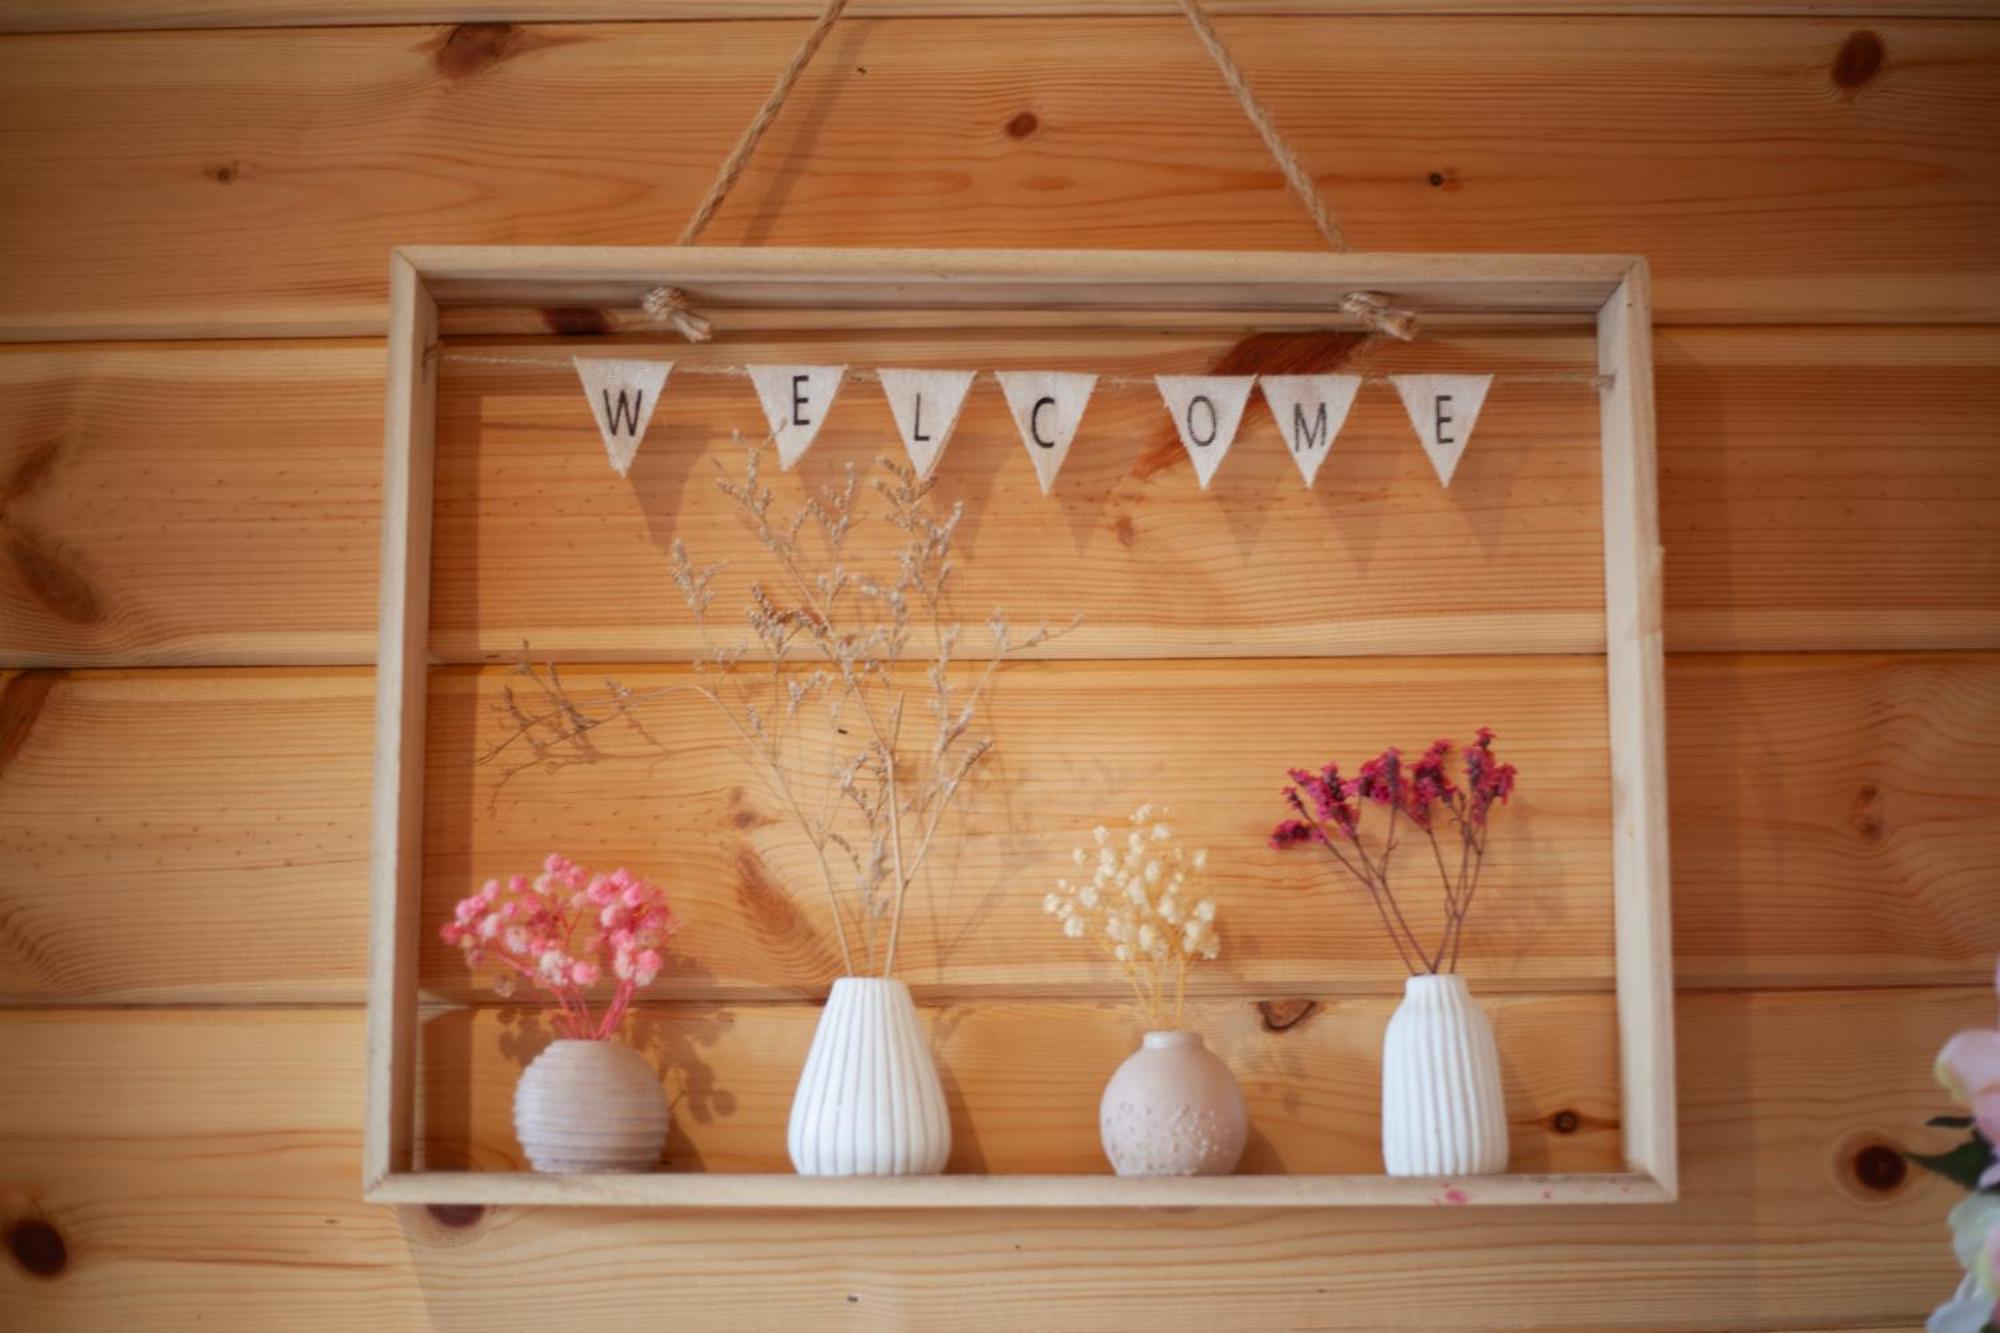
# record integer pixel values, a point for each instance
(1206, 409)
(796, 400)
(622, 397)
(1047, 407)
(1444, 409)
(1309, 410)
(926, 404)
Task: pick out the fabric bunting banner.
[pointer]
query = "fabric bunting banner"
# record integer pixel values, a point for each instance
(622, 397)
(1310, 410)
(925, 404)
(1048, 407)
(1206, 409)
(796, 400)
(1443, 408)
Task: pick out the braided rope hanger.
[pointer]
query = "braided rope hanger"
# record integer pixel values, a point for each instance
(669, 305)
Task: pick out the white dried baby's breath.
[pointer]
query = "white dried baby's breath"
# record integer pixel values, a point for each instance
(1138, 907)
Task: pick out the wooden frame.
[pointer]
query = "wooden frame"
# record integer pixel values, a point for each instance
(746, 288)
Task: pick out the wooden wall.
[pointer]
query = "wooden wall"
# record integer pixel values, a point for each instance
(196, 205)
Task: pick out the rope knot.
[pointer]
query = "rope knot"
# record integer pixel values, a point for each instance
(1374, 310)
(669, 305)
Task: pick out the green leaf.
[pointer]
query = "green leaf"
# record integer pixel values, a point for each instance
(1962, 1164)
(1950, 1122)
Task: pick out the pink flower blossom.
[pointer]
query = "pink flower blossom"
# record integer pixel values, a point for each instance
(1969, 1068)
(562, 930)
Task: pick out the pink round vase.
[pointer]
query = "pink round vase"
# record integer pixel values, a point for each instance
(1173, 1109)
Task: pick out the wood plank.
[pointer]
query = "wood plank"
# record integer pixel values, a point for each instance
(190, 503)
(1813, 483)
(1829, 820)
(769, 1190)
(1774, 512)
(1022, 1104)
(538, 540)
(1881, 209)
(1077, 744)
(1635, 678)
(122, 15)
(853, 287)
(206, 1165)
(232, 805)
(402, 688)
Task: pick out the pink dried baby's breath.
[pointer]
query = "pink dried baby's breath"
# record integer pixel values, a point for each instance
(563, 930)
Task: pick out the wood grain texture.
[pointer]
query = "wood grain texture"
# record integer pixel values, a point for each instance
(1023, 1080)
(1830, 824)
(200, 1164)
(119, 15)
(1814, 483)
(1077, 744)
(1765, 174)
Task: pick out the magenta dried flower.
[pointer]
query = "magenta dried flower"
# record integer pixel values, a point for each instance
(1424, 794)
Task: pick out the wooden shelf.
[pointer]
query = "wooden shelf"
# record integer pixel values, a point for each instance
(696, 1190)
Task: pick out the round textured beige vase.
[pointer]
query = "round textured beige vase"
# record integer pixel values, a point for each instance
(1173, 1109)
(590, 1106)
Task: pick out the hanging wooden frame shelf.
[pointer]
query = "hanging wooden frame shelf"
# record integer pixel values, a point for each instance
(913, 289)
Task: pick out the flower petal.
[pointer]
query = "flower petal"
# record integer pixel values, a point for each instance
(1986, 1113)
(1973, 1223)
(1969, 1064)
(1967, 1312)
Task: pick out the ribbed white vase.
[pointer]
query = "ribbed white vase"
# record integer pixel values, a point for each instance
(869, 1102)
(1443, 1113)
(590, 1106)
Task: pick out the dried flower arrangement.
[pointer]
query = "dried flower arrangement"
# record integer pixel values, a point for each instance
(1140, 906)
(1328, 810)
(834, 640)
(1969, 1068)
(837, 640)
(564, 930)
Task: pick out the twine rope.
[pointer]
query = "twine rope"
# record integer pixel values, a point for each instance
(564, 363)
(669, 305)
(1288, 161)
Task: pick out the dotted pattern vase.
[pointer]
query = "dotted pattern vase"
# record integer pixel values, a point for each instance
(1443, 1113)
(869, 1102)
(590, 1106)
(1173, 1109)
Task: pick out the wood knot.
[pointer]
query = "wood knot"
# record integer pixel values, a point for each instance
(457, 1216)
(1877, 1167)
(1565, 1122)
(1284, 1015)
(572, 321)
(225, 172)
(53, 578)
(470, 48)
(22, 700)
(38, 1247)
(1023, 125)
(1864, 813)
(1859, 59)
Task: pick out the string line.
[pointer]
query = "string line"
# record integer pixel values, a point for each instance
(1580, 378)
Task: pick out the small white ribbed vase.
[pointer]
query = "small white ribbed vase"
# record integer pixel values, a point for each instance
(590, 1106)
(869, 1102)
(1173, 1109)
(1443, 1113)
